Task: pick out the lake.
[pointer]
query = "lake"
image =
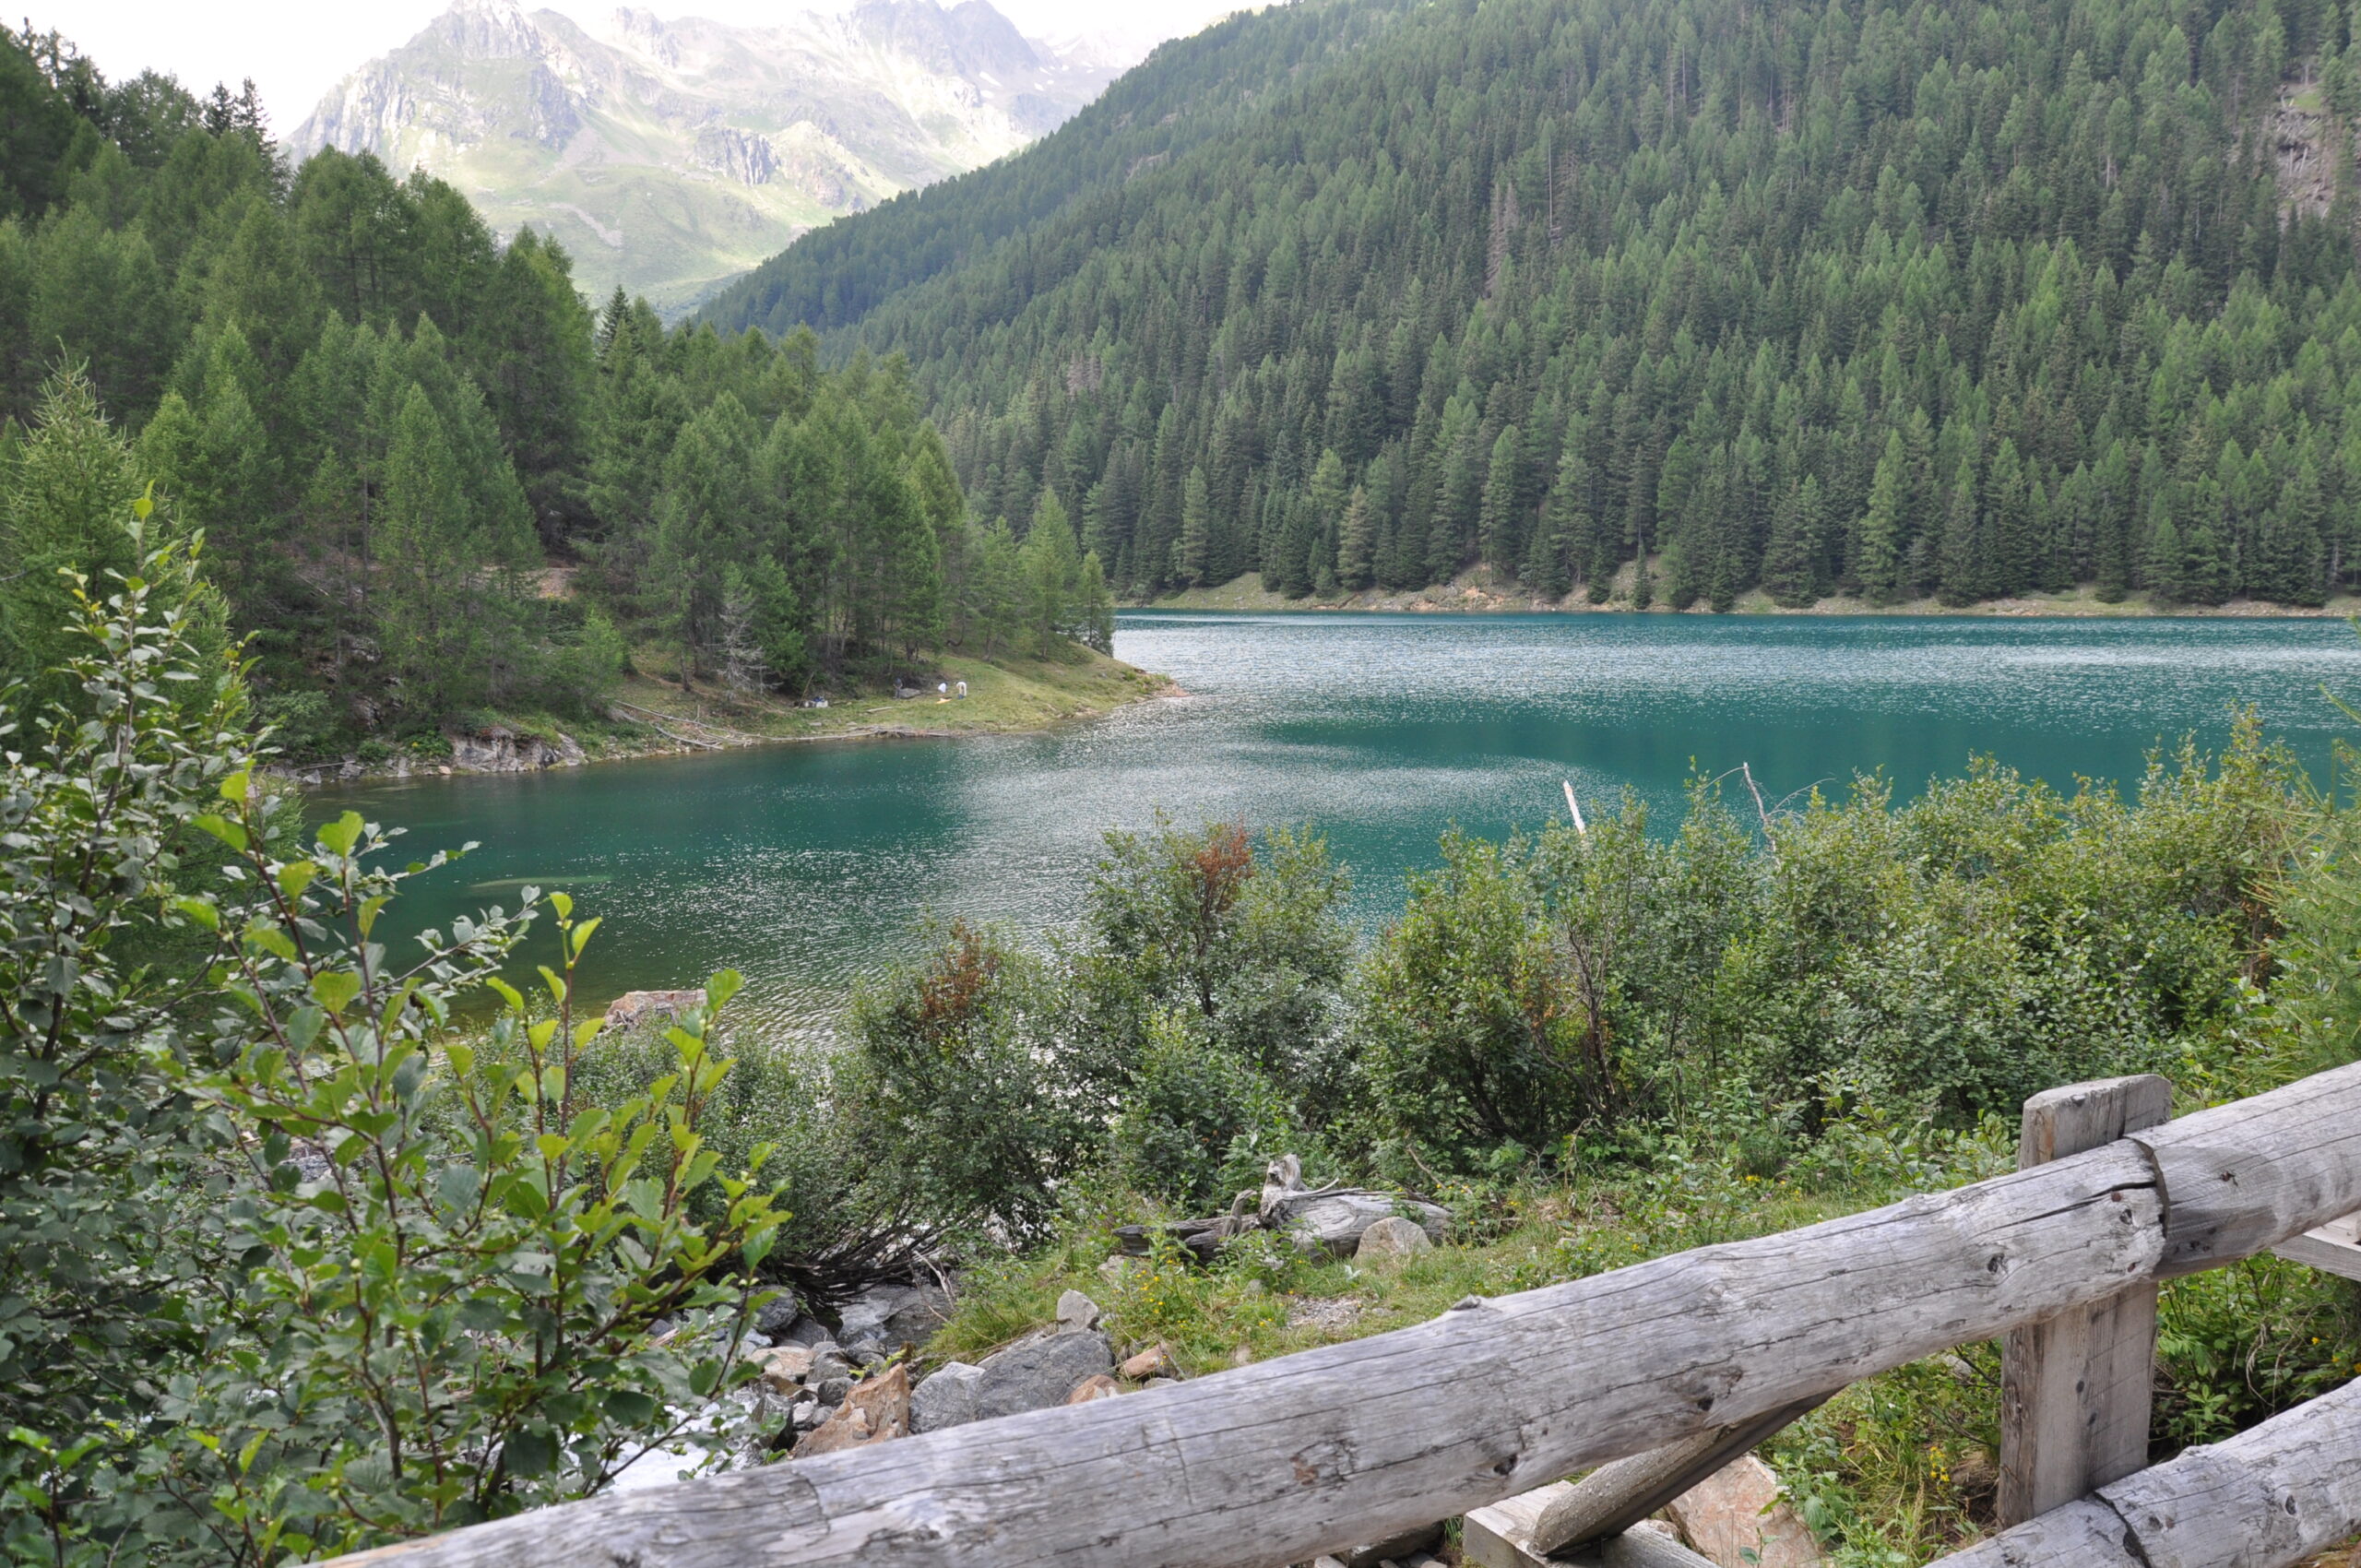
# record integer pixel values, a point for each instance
(810, 866)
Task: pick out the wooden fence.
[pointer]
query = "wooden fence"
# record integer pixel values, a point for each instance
(1667, 1365)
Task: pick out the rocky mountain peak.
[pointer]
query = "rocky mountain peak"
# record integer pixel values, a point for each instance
(669, 155)
(966, 39)
(488, 29)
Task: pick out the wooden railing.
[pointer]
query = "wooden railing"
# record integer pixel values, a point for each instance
(1682, 1356)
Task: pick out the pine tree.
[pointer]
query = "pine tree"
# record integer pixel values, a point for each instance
(1357, 546)
(1877, 555)
(1052, 574)
(1962, 567)
(1790, 564)
(2166, 561)
(1095, 606)
(1501, 529)
(1196, 533)
(425, 609)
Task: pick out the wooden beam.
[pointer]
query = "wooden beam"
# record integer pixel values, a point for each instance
(1280, 1460)
(2075, 1389)
(2334, 1248)
(2270, 1497)
(1613, 1498)
(2242, 1178)
(2083, 1534)
(1502, 1536)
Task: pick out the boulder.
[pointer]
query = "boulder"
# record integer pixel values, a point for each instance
(778, 1316)
(1334, 1223)
(877, 1410)
(1155, 1362)
(947, 1398)
(1392, 1236)
(1077, 1313)
(1735, 1518)
(1090, 1388)
(635, 1008)
(785, 1369)
(1033, 1374)
(884, 1318)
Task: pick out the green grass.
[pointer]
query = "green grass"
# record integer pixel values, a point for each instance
(1004, 696)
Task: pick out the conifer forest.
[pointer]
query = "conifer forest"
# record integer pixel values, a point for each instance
(1962, 301)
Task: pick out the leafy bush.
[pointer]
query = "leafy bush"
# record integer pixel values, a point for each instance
(1198, 1123)
(960, 1096)
(290, 1266)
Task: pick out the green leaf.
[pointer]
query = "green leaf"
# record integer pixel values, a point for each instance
(340, 835)
(271, 940)
(296, 877)
(721, 988)
(238, 789)
(630, 1407)
(335, 990)
(200, 910)
(221, 827)
(528, 1453)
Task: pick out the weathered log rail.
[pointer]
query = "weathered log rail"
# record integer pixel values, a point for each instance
(1354, 1442)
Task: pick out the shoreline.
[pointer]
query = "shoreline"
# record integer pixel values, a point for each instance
(645, 719)
(1474, 593)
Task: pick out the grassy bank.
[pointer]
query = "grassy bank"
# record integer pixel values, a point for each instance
(649, 714)
(1478, 592)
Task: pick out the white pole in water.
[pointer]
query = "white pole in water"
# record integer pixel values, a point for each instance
(1576, 807)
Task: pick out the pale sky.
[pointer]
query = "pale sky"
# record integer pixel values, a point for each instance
(296, 50)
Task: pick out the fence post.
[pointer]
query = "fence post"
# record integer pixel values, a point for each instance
(2075, 1389)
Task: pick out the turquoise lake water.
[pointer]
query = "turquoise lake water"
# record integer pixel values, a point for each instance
(809, 866)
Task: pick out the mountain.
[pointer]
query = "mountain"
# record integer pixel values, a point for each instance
(669, 156)
(1662, 300)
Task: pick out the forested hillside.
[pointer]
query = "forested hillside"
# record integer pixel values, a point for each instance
(1887, 300)
(391, 428)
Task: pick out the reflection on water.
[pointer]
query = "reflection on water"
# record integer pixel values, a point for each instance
(809, 866)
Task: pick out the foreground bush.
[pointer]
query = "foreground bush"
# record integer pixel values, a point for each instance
(290, 1266)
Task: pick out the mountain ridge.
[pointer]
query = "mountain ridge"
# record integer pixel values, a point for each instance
(670, 155)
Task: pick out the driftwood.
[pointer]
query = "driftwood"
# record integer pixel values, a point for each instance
(1332, 1217)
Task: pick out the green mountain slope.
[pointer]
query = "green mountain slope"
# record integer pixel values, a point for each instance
(1893, 300)
(670, 156)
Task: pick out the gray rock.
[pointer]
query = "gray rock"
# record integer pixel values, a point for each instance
(828, 1361)
(1076, 1313)
(1033, 1374)
(947, 1398)
(805, 1330)
(1392, 1236)
(778, 1317)
(832, 1393)
(1333, 1222)
(887, 1317)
